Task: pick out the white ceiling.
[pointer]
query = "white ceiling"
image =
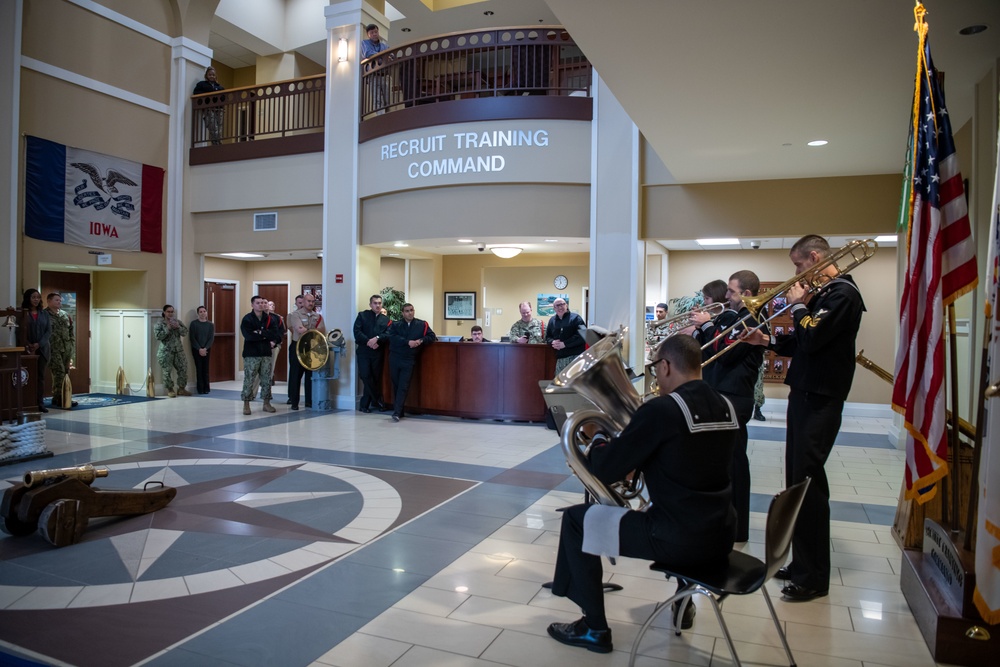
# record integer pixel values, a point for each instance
(732, 90)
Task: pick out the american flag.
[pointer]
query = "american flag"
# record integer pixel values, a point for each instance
(941, 266)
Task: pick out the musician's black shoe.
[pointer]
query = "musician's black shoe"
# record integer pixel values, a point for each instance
(688, 621)
(294, 406)
(783, 574)
(792, 592)
(580, 634)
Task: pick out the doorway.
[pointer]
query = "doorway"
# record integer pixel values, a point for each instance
(278, 293)
(75, 291)
(220, 300)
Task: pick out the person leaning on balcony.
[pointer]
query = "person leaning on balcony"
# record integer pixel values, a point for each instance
(212, 117)
(369, 47)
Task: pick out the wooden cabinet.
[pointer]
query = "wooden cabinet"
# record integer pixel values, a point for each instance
(478, 380)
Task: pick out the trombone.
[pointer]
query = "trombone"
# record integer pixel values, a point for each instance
(682, 321)
(814, 278)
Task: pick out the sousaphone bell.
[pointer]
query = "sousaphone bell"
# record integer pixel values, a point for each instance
(313, 348)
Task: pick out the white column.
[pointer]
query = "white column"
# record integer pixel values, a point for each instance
(340, 193)
(617, 256)
(188, 62)
(10, 101)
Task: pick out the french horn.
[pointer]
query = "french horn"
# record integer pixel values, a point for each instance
(599, 375)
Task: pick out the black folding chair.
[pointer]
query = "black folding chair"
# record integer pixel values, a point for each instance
(742, 574)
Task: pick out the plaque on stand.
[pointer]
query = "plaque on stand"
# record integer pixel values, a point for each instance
(937, 583)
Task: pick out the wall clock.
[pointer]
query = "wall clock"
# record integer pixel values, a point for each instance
(560, 282)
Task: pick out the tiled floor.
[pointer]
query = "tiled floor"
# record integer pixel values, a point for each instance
(342, 539)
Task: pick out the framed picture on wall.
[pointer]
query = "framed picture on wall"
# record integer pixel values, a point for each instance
(459, 305)
(316, 291)
(544, 303)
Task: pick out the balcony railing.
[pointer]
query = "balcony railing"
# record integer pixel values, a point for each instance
(235, 124)
(504, 62)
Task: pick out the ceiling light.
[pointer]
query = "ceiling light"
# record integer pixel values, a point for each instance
(505, 252)
(242, 255)
(464, 240)
(400, 244)
(886, 238)
(973, 29)
(552, 240)
(717, 241)
(393, 254)
(818, 142)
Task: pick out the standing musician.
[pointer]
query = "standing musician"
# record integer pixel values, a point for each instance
(734, 375)
(820, 374)
(304, 318)
(682, 442)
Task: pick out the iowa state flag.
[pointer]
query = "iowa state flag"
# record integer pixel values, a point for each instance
(89, 199)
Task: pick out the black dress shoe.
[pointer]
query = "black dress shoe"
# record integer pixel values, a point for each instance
(73, 404)
(294, 407)
(288, 402)
(792, 592)
(308, 404)
(395, 418)
(783, 574)
(580, 634)
(367, 411)
(687, 622)
(381, 407)
(43, 409)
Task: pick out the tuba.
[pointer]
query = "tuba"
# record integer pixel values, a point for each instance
(599, 375)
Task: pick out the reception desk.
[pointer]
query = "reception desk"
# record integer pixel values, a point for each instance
(478, 380)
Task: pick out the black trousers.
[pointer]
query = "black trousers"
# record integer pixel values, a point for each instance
(295, 373)
(739, 473)
(813, 423)
(579, 576)
(40, 381)
(401, 372)
(370, 372)
(201, 370)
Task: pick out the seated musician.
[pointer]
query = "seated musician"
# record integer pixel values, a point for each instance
(682, 442)
(477, 335)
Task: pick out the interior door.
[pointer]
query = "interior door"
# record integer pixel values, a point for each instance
(75, 291)
(278, 293)
(220, 300)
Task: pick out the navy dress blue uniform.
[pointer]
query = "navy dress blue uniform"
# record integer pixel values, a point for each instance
(682, 443)
(402, 357)
(820, 374)
(734, 375)
(370, 325)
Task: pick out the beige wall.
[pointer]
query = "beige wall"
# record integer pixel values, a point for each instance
(393, 274)
(67, 36)
(876, 278)
(507, 282)
(120, 289)
(847, 205)
(299, 228)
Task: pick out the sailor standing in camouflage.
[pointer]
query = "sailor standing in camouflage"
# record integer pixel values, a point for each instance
(170, 354)
(260, 335)
(63, 345)
(528, 329)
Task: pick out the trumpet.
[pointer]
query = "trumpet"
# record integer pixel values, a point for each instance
(682, 321)
(814, 278)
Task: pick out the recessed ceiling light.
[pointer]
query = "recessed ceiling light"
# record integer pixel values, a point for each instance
(886, 238)
(400, 244)
(465, 240)
(552, 240)
(973, 29)
(242, 255)
(717, 241)
(818, 142)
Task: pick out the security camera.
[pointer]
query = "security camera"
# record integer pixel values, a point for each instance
(755, 245)
(481, 246)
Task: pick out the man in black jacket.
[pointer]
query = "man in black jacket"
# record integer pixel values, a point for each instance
(261, 334)
(405, 339)
(682, 443)
(822, 348)
(734, 375)
(564, 333)
(371, 328)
